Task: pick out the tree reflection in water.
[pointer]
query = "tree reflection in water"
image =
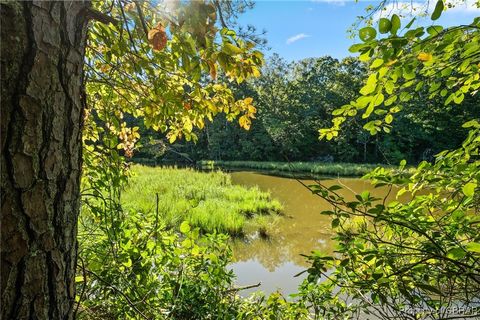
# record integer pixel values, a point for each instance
(275, 261)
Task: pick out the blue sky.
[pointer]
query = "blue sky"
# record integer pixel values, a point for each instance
(302, 29)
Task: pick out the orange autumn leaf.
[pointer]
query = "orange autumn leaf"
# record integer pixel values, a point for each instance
(157, 37)
(213, 69)
(187, 106)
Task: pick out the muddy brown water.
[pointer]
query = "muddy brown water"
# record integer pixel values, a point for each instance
(276, 261)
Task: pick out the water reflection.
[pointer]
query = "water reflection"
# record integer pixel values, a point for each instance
(275, 261)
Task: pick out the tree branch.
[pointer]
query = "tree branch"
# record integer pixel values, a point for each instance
(91, 14)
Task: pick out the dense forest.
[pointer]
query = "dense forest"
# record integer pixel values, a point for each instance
(293, 100)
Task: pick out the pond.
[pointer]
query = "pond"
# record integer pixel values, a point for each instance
(275, 261)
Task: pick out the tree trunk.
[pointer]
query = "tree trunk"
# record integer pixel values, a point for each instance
(42, 55)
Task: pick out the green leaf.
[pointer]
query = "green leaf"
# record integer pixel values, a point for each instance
(458, 98)
(378, 100)
(370, 86)
(388, 118)
(384, 25)
(367, 34)
(369, 110)
(471, 123)
(473, 247)
(344, 262)
(357, 47)
(365, 195)
(334, 187)
(469, 189)
(376, 63)
(335, 222)
(456, 253)
(231, 49)
(410, 23)
(434, 30)
(128, 263)
(389, 87)
(185, 227)
(391, 100)
(395, 24)
(438, 10)
(338, 112)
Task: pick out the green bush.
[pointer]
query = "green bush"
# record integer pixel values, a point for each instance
(154, 274)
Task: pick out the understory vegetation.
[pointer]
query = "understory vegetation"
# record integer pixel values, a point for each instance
(208, 201)
(309, 169)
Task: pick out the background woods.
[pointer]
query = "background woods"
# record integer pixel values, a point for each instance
(294, 99)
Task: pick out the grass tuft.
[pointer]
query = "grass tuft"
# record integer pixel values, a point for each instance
(207, 200)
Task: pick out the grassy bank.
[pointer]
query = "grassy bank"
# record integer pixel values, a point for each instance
(303, 168)
(207, 200)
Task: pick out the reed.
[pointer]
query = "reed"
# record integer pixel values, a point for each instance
(312, 169)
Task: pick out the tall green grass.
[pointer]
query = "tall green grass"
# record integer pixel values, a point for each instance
(207, 200)
(303, 168)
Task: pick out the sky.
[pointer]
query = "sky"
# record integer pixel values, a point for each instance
(313, 28)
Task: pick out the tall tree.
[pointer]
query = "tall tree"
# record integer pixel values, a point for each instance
(43, 45)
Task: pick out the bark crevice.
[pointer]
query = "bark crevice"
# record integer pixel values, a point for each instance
(42, 60)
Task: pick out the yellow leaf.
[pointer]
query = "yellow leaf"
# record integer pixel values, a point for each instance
(187, 125)
(391, 62)
(255, 72)
(423, 56)
(244, 122)
(248, 100)
(200, 123)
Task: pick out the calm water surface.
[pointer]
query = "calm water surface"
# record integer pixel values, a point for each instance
(276, 261)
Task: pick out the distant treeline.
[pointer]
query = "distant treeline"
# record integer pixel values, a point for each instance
(295, 99)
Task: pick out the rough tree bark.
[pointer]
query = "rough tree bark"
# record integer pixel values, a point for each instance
(42, 100)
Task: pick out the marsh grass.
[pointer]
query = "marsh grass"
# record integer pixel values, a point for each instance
(311, 169)
(207, 200)
(265, 226)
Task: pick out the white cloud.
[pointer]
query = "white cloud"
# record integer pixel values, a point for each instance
(344, 2)
(340, 3)
(297, 37)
